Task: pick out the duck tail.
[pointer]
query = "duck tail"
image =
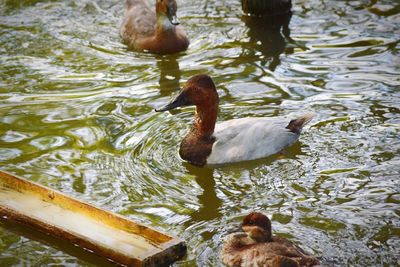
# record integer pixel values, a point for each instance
(297, 124)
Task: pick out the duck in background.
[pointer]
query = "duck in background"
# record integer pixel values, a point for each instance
(158, 33)
(266, 7)
(257, 247)
(234, 140)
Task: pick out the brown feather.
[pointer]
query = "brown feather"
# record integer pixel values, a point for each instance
(277, 252)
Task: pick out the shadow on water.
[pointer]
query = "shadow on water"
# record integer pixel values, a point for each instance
(170, 74)
(268, 35)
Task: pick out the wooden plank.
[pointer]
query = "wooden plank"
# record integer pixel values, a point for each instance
(105, 233)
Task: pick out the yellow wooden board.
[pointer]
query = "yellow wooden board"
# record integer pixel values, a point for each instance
(105, 233)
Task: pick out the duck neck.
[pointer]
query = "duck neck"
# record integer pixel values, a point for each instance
(164, 25)
(205, 118)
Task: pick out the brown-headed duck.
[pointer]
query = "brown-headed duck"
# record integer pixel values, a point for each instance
(233, 140)
(158, 33)
(257, 247)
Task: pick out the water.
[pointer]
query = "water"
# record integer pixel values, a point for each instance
(76, 114)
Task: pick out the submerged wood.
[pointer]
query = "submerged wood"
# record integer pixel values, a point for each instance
(105, 233)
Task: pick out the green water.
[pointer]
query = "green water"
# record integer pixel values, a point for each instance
(76, 114)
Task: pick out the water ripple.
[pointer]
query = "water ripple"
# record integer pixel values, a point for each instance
(77, 114)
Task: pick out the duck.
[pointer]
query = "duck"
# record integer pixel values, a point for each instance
(158, 32)
(266, 8)
(257, 247)
(236, 140)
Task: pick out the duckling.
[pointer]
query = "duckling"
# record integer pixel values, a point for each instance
(157, 33)
(208, 143)
(256, 247)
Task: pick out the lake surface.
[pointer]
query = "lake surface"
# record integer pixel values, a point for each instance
(77, 114)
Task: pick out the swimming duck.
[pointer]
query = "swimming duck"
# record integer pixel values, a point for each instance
(158, 33)
(257, 247)
(229, 141)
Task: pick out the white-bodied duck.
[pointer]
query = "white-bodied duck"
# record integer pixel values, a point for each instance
(234, 140)
(257, 247)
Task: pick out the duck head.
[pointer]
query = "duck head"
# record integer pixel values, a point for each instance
(258, 227)
(199, 91)
(168, 9)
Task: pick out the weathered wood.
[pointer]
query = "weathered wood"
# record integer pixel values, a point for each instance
(105, 233)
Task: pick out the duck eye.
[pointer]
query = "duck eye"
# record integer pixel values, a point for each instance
(251, 222)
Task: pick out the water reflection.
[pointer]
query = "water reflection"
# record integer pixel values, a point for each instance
(170, 74)
(270, 33)
(209, 202)
(67, 106)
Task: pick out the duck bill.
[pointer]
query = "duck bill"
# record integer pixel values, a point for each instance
(180, 101)
(172, 16)
(174, 20)
(248, 230)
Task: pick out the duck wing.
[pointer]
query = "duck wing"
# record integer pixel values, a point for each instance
(280, 252)
(253, 138)
(232, 250)
(139, 19)
(283, 247)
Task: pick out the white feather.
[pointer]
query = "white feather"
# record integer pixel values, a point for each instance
(251, 138)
